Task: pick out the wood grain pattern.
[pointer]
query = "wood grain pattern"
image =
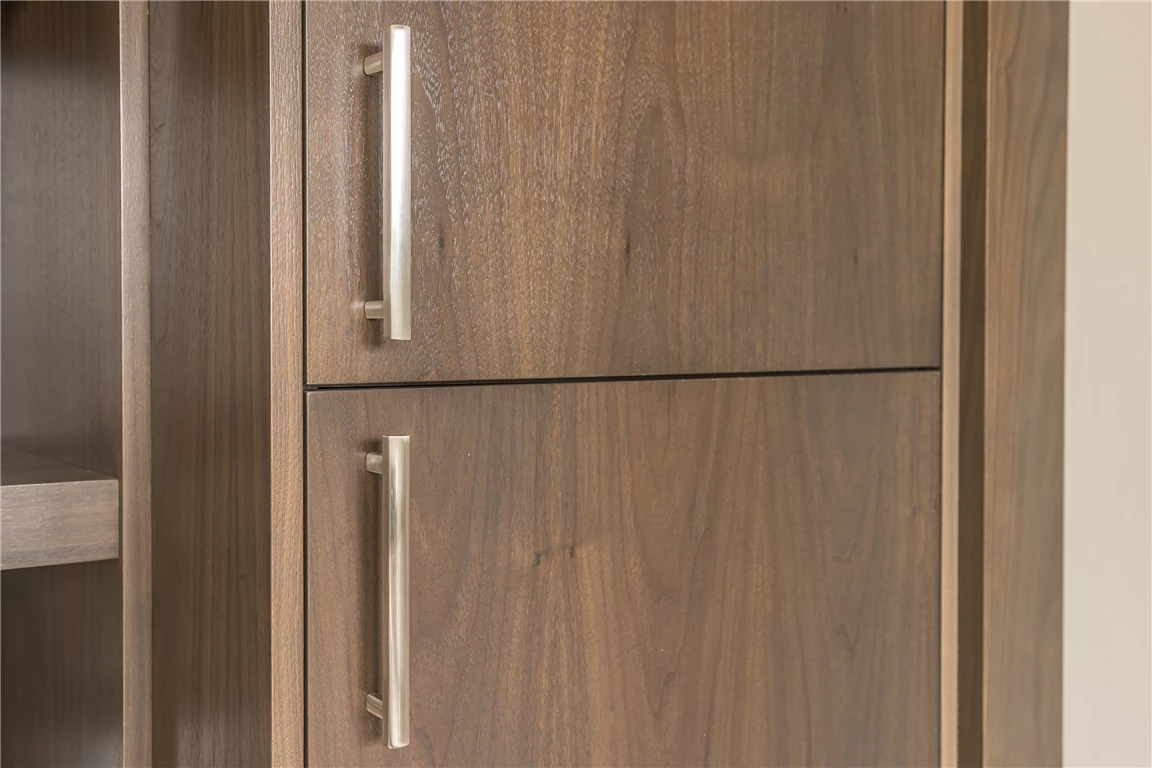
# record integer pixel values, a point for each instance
(286, 49)
(53, 513)
(60, 237)
(633, 188)
(60, 665)
(1009, 462)
(711, 571)
(210, 154)
(60, 361)
(1024, 378)
(136, 394)
(950, 387)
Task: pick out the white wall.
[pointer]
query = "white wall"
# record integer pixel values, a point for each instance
(1108, 389)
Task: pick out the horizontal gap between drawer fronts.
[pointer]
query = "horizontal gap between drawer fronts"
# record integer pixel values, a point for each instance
(609, 379)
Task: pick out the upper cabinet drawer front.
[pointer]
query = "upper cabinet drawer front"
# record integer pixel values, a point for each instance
(603, 189)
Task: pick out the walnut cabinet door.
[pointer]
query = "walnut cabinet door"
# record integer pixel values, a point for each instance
(732, 571)
(617, 189)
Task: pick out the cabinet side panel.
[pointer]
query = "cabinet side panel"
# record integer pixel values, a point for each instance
(210, 372)
(1023, 385)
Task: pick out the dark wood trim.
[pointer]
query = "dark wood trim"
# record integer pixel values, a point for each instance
(970, 465)
(287, 383)
(1010, 405)
(135, 382)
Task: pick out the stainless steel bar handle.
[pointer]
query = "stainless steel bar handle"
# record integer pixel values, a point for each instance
(396, 307)
(394, 620)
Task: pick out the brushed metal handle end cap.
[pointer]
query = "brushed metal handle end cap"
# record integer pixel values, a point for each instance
(375, 705)
(375, 310)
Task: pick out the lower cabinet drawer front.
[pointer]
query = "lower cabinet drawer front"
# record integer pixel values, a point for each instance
(708, 571)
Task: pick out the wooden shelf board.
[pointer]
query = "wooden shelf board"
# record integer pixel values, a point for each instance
(53, 513)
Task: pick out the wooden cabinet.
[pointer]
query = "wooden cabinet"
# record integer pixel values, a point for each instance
(673, 572)
(612, 189)
(736, 571)
(687, 476)
(731, 423)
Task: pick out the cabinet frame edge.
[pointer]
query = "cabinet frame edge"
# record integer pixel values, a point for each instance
(1002, 383)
